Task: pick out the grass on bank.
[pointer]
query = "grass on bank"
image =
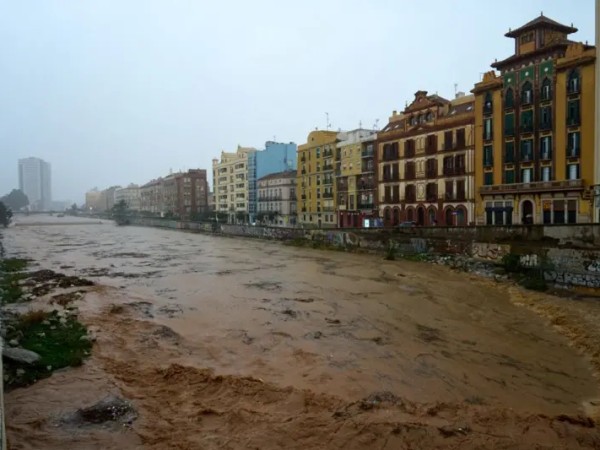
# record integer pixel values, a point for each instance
(60, 342)
(10, 276)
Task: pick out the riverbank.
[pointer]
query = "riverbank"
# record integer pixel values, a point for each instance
(229, 343)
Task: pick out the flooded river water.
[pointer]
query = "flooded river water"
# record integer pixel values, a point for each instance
(238, 343)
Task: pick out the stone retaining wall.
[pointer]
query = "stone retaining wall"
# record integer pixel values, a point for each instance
(567, 255)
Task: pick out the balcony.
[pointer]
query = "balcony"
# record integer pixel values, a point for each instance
(538, 186)
(328, 167)
(367, 153)
(328, 209)
(328, 181)
(394, 177)
(366, 206)
(327, 194)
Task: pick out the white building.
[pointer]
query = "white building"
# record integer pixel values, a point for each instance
(131, 196)
(230, 181)
(35, 182)
(277, 199)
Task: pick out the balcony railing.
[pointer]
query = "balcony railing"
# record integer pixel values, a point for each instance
(394, 177)
(366, 206)
(538, 186)
(328, 195)
(366, 153)
(328, 167)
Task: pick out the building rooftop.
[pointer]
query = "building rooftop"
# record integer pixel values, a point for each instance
(541, 22)
(284, 174)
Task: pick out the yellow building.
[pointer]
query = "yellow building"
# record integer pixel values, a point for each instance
(355, 178)
(315, 183)
(534, 158)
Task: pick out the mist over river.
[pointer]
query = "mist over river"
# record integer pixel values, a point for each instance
(240, 343)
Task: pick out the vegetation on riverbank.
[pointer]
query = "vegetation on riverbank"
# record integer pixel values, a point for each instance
(39, 341)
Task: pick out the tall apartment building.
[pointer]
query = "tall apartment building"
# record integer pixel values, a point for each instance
(277, 199)
(356, 178)
(36, 183)
(534, 159)
(315, 184)
(230, 181)
(276, 157)
(130, 195)
(425, 162)
(182, 195)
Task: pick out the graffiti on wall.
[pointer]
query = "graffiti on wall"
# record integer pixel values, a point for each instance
(489, 251)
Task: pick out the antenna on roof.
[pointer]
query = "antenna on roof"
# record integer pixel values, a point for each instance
(376, 126)
(542, 13)
(455, 88)
(360, 124)
(327, 120)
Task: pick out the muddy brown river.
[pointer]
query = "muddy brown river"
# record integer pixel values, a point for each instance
(240, 343)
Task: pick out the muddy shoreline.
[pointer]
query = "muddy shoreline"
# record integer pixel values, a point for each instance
(234, 344)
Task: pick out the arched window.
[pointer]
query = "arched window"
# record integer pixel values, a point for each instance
(429, 117)
(546, 89)
(573, 82)
(509, 98)
(526, 93)
(487, 103)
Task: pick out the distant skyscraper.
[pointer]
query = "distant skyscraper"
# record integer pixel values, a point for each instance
(35, 182)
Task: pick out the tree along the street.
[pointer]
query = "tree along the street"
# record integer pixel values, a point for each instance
(5, 215)
(16, 200)
(120, 213)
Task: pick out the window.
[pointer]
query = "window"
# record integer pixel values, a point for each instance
(509, 176)
(546, 117)
(460, 138)
(487, 103)
(573, 171)
(527, 121)
(573, 112)
(546, 92)
(429, 117)
(509, 124)
(573, 82)
(546, 147)
(509, 152)
(526, 175)
(488, 156)
(509, 98)
(488, 178)
(571, 211)
(573, 140)
(526, 93)
(527, 150)
(487, 129)
(528, 37)
(546, 173)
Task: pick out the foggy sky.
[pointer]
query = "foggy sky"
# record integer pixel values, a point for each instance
(118, 91)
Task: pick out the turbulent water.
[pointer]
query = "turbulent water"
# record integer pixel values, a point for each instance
(238, 343)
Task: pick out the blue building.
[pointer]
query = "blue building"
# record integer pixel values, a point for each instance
(276, 157)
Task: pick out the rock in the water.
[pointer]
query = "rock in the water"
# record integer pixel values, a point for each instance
(20, 355)
(13, 343)
(111, 409)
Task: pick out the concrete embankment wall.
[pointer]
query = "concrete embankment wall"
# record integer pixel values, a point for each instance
(567, 255)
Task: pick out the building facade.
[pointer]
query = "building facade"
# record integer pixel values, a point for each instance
(315, 184)
(92, 200)
(425, 159)
(130, 195)
(356, 179)
(183, 195)
(277, 199)
(535, 137)
(35, 182)
(276, 157)
(230, 181)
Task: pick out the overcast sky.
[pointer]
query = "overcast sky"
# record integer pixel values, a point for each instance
(118, 91)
